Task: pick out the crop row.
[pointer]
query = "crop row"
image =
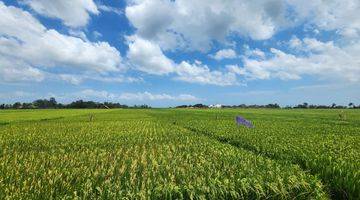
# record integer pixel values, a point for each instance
(137, 159)
(332, 153)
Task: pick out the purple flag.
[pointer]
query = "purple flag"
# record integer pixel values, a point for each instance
(241, 121)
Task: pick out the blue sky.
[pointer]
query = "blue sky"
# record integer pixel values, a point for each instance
(166, 53)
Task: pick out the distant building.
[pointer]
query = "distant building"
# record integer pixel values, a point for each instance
(215, 106)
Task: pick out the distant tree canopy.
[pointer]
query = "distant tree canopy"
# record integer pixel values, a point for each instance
(199, 105)
(334, 106)
(53, 104)
(271, 105)
(44, 103)
(275, 105)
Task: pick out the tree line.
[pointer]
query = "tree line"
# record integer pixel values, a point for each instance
(332, 106)
(53, 104)
(275, 105)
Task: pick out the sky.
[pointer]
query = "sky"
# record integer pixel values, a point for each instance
(173, 52)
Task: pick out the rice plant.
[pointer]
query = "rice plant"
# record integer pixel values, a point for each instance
(182, 154)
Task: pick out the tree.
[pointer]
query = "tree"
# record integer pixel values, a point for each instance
(27, 106)
(182, 106)
(52, 102)
(199, 105)
(16, 105)
(305, 105)
(351, 105)
(83, 104)
(41, 103)
(275, 105)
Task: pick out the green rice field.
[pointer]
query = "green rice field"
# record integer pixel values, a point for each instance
(179, 154)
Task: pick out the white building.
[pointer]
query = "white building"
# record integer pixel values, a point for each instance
(215, 106)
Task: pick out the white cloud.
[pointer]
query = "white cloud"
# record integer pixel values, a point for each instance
(341, 15)
(259, 53)
(54, 49)
(319, 87)
(117, 79)
(151, 18)
(73, 79)
(89, 93)
(103, 95)
(76, 79)
(12, 70)
(321, 59)
(147, 56)
(224, 54)
(97, 34)
(163, 26)
(236, 69)
(13, 22)
(200, 73)
(73, 13)
(115, 10)
(254, 53)
(156, 97)
(38, 47)
(195, 24)
(321, 94)
(79, 34)
(295, 42)
(254, 93)
(15, 95)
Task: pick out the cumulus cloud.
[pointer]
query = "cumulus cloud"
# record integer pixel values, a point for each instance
(154, 97)
(253, 53)
(200, 73)
(12, 70)
(338, 15)
(73, 79)
(73, 13)
(128, 96)
(90, 93)
(79, 34)
(321, 59)
(295, 43)
(195, 24)
(236, 69)
(224, 54)
(163, 27)
(189, 25)
(147, 56)
(39, 48)
(77, 79)
(15, 95)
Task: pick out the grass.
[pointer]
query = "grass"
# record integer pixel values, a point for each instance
(179, 154)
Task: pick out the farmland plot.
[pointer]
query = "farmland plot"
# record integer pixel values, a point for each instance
(173, 154)
(316, 141)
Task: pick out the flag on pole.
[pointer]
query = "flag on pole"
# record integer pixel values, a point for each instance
(242, 121)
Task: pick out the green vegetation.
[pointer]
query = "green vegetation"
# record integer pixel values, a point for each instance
(179, 154)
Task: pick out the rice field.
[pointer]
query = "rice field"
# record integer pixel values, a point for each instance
(179, 154)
